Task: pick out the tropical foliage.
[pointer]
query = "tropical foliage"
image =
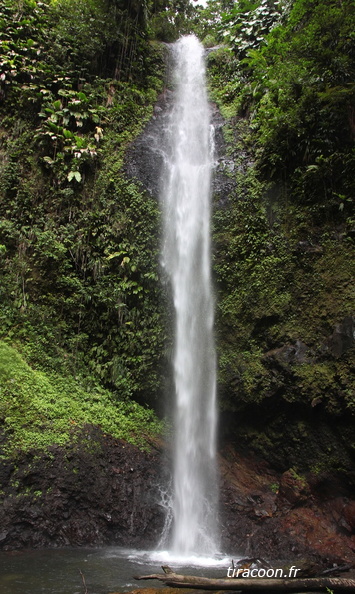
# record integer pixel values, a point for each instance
(80, 294)
(284, 237)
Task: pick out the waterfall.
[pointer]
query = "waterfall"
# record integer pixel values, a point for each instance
(186, 258)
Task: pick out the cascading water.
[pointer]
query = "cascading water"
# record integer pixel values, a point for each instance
(186, 258)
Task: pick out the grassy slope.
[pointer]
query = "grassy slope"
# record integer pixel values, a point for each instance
(40, 409)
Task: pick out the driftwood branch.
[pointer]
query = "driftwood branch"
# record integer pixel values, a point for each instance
(275, 584)
(83, 578)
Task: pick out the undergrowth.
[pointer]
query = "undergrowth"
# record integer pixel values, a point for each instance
(41, 409)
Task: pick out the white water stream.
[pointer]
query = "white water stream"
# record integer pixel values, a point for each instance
(186, 258)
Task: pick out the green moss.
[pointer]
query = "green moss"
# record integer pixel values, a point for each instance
(39, 409)
(316, 379)
(301, 479)
(274, 487)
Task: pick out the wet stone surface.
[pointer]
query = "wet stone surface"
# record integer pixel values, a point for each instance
(98, 491)
(104, 491)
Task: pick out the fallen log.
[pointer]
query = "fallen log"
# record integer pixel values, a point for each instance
(275, 584)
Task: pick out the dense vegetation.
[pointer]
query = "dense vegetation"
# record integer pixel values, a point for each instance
(78, 240)
(42, 409)
(284, 238)
(80, 291)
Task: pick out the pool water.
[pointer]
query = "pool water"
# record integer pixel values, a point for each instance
(105, 570)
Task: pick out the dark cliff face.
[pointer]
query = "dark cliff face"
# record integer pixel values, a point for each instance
(144, 159)
(275, 515)
(97, 491)
(104, 491)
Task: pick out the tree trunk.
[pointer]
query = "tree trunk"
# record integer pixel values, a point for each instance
(275, 584)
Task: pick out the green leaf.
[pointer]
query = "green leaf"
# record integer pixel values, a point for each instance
(52, 126)
(67, 133)
(74, 175)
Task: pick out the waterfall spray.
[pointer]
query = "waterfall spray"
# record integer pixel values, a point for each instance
(186, 258)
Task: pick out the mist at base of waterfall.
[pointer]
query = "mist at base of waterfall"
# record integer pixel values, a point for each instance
(181, 561)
